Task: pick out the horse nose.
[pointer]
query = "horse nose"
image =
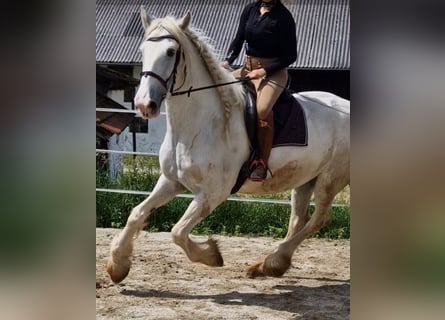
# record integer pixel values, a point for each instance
(152, 106)
(141, 102)
(147, 108)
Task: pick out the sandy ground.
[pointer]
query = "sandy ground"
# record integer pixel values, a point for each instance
(164, 284)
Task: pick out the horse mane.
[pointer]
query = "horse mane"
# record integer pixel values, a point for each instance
(190, 39)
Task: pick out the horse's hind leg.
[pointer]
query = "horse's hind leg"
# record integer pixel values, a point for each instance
(205, 252)
(277, 263)
(299, 216)
(119, 263)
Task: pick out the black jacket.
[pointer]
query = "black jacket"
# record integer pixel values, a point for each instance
(269, 36)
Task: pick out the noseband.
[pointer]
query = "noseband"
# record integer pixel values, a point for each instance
(157, 76)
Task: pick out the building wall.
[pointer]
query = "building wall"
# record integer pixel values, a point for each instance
(335, 81)
(149, 141)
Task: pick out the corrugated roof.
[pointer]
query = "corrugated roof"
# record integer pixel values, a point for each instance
(322, 28)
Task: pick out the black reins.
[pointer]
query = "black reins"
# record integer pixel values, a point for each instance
(173, 74)
(191, 89)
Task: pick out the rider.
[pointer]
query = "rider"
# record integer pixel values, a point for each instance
(268, 29)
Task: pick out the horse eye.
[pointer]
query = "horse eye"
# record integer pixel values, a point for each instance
(170, 52)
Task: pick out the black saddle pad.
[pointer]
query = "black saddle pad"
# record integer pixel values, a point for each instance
(290, 122)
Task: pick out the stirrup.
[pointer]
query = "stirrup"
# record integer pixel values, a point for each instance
(261, 166)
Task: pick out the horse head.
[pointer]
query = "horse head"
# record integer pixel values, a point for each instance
(161, 53)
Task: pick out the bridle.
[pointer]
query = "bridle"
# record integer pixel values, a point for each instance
(175, 92)
(172, 76)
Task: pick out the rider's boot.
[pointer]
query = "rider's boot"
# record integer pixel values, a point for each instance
(265, 139)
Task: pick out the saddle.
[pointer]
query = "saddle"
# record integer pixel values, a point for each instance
(290, 127)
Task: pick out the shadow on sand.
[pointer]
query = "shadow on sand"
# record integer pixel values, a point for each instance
(323, 302)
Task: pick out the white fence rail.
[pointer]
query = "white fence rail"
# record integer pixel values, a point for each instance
(135, 112)
(191, 196)
(127, 152)
(147, 193)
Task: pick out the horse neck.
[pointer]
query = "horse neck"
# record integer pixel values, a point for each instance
(195, 113)
(203, 107)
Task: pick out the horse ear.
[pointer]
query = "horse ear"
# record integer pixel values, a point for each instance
(146, 20)
(185, 20)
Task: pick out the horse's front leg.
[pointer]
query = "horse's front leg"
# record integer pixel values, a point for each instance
(205, 252)
(119, 263)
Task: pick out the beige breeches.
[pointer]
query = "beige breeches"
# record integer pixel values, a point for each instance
(266, 89)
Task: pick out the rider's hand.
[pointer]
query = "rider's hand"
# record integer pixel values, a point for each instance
(257, 74)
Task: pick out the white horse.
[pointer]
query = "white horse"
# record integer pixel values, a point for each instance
(206, 144)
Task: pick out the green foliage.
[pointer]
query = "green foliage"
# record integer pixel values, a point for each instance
(339, 228)
(230, 218)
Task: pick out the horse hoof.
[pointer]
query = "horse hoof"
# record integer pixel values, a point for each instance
(217, 259)
(118, 272)
(255, 270)
(271, 266)
(276, 265)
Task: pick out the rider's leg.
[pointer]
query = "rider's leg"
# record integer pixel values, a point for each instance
(268, 91)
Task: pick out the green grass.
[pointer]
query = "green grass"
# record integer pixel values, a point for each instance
(230, 218)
